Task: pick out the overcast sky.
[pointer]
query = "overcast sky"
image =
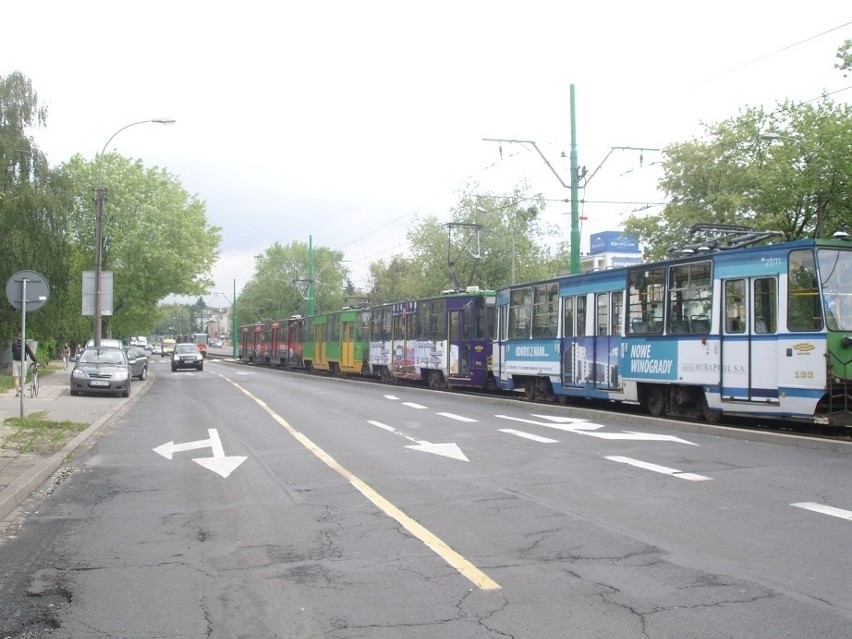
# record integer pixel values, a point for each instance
(345, 121)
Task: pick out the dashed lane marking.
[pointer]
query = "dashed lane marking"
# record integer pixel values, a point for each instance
(458, 418)
(535, 438)
(825, 510)
(658, 469)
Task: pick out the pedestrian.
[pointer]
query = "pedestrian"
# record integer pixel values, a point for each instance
(66, 355)
(20, 349)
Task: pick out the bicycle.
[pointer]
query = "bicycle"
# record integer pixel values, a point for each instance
(34, 381)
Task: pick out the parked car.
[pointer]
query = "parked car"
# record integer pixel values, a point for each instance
(101, 370)
(137, 359)
(187, 355)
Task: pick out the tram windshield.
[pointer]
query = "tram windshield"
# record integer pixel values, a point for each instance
(835, 267)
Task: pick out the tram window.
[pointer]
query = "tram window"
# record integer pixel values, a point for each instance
(581, 315)
(734, 306)
(520, 310)
(646, 300)
(568, 317)
(765, 305)
(617, 310)
(545, 310)
(483, 309)
(690, 299)
(363, 330)
(334, 328)
(804, 306)
(602, 324)
(381, 324)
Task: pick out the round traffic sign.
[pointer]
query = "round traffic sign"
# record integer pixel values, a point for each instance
(37, 290)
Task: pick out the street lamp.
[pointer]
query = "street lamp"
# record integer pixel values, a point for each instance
(233, 303)
(100, 196)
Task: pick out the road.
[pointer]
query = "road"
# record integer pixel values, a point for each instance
(245, 502)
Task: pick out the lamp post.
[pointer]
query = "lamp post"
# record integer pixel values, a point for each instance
(100, 196)
(233, 303)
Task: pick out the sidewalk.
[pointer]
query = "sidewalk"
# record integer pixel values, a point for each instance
(22, 473)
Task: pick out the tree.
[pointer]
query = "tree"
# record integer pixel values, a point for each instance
(157, 240)
(788, 170)
(34, 233)
(489, 237)
(844, 54)
(278, 287)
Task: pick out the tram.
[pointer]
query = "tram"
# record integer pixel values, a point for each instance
(729, 327)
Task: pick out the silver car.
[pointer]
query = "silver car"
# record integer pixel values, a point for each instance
(137, 359)
(101, 370)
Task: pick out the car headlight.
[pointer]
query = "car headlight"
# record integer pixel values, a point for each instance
(121, 375)
(175, 356)
(78, 373)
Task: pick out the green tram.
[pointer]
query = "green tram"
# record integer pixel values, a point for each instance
(338, 342)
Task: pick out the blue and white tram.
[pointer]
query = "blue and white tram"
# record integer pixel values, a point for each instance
(760, 331)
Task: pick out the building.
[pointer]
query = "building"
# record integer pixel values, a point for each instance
(610, 249)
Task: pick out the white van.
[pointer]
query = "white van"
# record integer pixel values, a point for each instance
(106, 343)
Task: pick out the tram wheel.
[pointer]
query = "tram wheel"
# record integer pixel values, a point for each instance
(710, 415)
(529, 390)
(656, 401)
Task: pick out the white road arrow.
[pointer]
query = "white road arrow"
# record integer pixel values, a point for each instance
(582, 427)
(445, 450)
(220, 463)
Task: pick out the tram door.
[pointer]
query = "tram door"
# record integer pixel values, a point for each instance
(748, 367)
(347, 330)
(576, 347)
(274, 342)
(459, 355)
(320, 340)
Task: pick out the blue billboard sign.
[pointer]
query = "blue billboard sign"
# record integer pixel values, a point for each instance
(613, 242)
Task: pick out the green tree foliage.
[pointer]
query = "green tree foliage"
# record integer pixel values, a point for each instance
(157, 240)
(788, 170)
(174, 320)
(488, 239)
(279, 286)
(34, 233)
(844, 54)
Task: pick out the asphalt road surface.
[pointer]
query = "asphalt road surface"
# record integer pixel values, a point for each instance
(244, 502)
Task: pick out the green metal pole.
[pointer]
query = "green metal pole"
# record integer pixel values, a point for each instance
(311, 303)
(575, 193)
(234, 322)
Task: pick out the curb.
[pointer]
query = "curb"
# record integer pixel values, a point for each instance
(22, 487)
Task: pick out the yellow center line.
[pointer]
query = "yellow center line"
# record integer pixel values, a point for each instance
(454, 559)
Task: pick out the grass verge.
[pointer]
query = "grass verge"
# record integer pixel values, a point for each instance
(35, 434)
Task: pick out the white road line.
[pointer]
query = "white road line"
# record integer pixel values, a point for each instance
(674, 472)
(535, 438)
(825, 510)
(394, 397)
(459, 418)
(413, 405)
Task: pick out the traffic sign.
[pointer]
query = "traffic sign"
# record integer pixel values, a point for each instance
(36, 288)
